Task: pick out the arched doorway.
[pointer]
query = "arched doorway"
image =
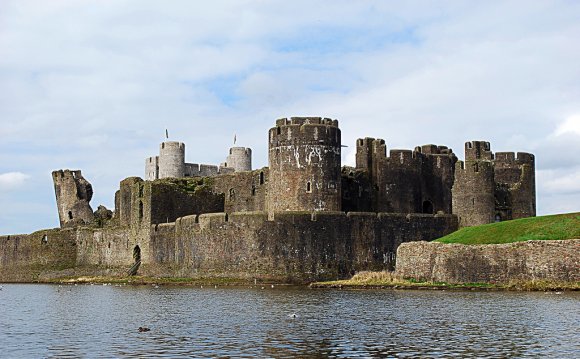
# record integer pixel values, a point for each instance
(136, 261)
(428, 207)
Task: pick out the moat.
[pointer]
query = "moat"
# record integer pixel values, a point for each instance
(102, 321)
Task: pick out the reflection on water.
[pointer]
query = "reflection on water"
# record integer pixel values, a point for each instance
(103, 321)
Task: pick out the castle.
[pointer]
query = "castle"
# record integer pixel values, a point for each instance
(304, 217)
(305, 174)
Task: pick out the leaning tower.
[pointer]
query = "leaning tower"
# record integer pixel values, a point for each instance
(304, 161)
(73, 194)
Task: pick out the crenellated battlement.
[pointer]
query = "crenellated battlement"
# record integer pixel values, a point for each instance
(473, 167)
(306, 133)
(299, 121)
(403, 157)
(518, 158)
(431, 149)
(478, 150)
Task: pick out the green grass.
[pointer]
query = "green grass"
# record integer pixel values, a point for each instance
(561, 226)
(366, 280)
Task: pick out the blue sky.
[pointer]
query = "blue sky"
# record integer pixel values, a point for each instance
(92, 85)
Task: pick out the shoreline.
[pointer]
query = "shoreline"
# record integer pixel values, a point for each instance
(355, 283)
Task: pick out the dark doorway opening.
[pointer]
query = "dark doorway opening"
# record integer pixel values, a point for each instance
(137, 261)
(428, 207)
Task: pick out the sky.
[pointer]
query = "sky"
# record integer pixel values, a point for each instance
(92, 85)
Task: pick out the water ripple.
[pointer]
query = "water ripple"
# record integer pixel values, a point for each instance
(102, 322)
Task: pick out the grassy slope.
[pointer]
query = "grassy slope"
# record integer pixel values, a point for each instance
(561, 226)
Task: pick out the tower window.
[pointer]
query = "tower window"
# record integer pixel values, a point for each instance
(308, 187)
(140, 210)
(70, 215)
(232, 194)
(261, 177)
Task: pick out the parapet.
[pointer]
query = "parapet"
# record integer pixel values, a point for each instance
(472, 167)
(305, 131)
(478, 150)
(197, 170)
(431, 149)
(306, 121)
(172, 145)
(512, 158)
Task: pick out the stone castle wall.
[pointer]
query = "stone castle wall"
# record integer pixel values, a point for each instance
(243, 191)
(555, 260)
(291, 247)
(36, 256)
(294, 246)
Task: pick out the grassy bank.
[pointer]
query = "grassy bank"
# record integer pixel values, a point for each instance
(365, 280)
(561, 226)
(143, 280)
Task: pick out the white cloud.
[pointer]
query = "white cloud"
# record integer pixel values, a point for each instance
(12, 180)
(554, 181)
(570, 126)
(94, 85)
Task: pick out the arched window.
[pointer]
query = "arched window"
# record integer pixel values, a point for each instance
(70, 215)
(261, 177)
(308, 187)
(140, 210)
(232, 194)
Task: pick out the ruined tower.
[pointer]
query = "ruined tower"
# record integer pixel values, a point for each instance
(240, 159)
(171, 159)
(473, 193)
(304, 161)
(73, 194)
(516, 184)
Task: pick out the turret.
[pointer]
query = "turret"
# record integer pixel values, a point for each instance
(73, 194)
(478, 150)
(473, 193)
(152, 168)
(304, 161)
(516, 173)
(171, 159)
(240, 159)
(364, 154)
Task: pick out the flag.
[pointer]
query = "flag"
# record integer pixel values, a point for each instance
(234, 139)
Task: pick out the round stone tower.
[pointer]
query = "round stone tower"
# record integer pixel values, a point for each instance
(304, 161)
(171, 159)
(240, 159)
(473, 192)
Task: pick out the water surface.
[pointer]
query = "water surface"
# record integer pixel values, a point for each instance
(48, 321)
